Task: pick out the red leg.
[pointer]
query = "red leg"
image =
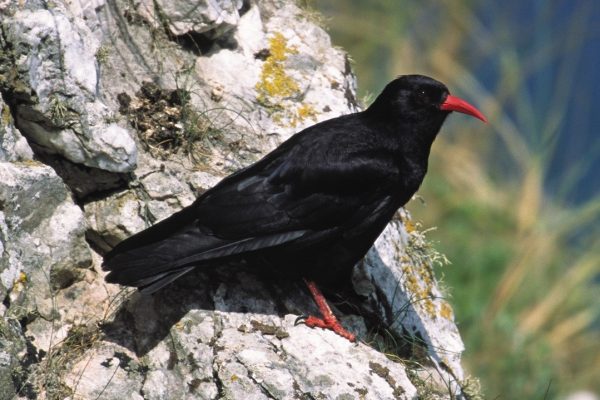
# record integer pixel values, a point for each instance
(329, 320)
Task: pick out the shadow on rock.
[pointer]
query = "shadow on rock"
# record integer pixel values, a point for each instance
(143, 321)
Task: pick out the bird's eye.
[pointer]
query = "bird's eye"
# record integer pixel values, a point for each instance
(421, 97)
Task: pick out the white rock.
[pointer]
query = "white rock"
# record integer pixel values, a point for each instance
(13, 146)
(413, 300)
(57, 57)
(197, 16)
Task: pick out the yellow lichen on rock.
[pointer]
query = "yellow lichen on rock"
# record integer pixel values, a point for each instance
(446, 311)
(275, 86)
(303, 112)
(275, 83)
(6, 115)
(419, 282)
(409, 226)
(22, 278)
(417, 263)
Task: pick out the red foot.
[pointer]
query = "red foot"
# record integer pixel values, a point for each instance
(329, 320)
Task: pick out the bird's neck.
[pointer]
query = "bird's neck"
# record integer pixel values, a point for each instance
(417, 143)
(408, 138)
(410, 142)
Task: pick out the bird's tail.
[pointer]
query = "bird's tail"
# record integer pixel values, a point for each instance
(149, 260)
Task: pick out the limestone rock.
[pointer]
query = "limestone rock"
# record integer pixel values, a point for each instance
(399, 279)
(12, 355)
(185, 17)
(50, 67)
(13, 146)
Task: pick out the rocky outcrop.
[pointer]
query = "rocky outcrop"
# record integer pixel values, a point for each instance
(116, 114)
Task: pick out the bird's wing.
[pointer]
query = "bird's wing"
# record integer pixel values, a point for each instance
(299, 191)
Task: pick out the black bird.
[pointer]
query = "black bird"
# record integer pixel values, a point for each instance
(312, 207)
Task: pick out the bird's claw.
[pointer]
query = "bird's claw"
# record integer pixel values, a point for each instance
(330, 323)
(300, 320)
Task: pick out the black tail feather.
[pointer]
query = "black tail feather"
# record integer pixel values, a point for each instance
(155, 283)
(157, 256)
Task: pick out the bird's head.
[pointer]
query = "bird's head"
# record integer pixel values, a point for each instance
(418, 99)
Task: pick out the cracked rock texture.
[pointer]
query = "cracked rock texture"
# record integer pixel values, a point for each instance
(114, 115)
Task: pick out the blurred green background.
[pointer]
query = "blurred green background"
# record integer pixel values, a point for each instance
(516, 202)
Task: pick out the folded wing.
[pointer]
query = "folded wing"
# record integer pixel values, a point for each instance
(298, 192)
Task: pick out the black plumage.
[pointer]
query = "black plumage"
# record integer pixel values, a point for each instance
(313, 206)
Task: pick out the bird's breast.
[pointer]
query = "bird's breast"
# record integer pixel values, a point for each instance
(412, 171)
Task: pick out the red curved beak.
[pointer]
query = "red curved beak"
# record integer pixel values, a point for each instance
(453, 103)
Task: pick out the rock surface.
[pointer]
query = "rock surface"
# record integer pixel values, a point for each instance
(51, 61)
(116, 114)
